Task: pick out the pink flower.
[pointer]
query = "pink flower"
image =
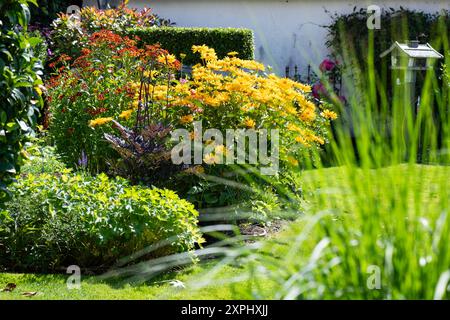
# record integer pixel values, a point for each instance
(318, 90)
(343, 99)
(327, 65)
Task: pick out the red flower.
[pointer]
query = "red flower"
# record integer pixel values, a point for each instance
(85, 52)
(327, 65)
(318, 90)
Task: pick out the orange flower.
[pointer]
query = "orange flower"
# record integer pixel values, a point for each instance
(187, 119)
(249, 123)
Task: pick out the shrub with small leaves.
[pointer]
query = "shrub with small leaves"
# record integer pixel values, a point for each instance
(70, 35)
(54, 221)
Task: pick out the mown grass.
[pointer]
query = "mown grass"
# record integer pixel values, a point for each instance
(325, 189)
(53, 286)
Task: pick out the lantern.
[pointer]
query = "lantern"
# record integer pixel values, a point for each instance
(407, 59)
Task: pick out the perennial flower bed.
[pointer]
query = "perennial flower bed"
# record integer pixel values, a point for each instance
(233, 93)
(103, 81)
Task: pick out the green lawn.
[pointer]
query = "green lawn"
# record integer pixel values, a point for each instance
(54, 287)
(332, 182)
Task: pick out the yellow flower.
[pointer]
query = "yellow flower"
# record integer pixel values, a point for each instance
(38, 90)
(135, 104)
(199, 169)
(152, 73)
(293, 127)
(220, 149)
(232, 53)
(167, 59)
(187, 119)
(195, 170)
(211, 159)
(193, 135)
(99, 121)
(292, 160)
(206, 53)
(307, 115)
(301, 140)
(182, 56)
(328, 114)
(247, 107)
(126, 114)
(249, 123)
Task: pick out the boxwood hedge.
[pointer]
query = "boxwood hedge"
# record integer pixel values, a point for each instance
(179, 40)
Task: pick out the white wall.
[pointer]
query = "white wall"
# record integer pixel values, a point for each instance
(287, 32)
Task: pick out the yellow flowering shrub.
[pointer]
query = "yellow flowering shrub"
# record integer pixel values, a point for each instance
(232, 93)
(229, 93)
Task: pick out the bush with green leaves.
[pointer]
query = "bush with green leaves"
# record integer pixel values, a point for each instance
(42, 158)
(179, 41)
(20, 97)
(348, 33)
(41, 48)
(98, 86)
(70, 35)
(54, 221)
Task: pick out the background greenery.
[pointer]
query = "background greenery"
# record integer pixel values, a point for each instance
(348, 34)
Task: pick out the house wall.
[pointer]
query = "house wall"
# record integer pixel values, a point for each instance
(287, 32)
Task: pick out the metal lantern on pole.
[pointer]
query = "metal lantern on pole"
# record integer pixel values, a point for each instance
(408, 59)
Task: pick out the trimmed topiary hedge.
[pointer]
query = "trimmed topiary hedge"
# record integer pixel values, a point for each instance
(178, 40)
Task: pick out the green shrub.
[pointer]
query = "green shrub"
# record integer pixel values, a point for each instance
(179, 41)
(19, 93)
(40, 50)
(71, 35)
(54, 221)
(240, 99)
(42, 158)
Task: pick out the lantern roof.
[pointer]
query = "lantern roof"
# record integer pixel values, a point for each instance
(414, 49)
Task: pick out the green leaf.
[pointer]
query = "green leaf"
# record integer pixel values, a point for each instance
(34, 41)
(11, 126)
(3, 117)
